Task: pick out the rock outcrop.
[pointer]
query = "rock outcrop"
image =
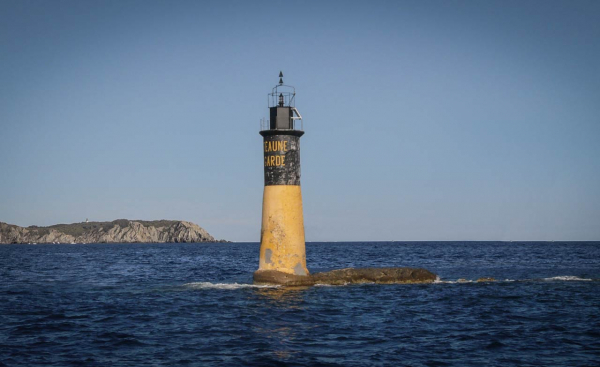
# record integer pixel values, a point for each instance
(118, 231)
(348, 276)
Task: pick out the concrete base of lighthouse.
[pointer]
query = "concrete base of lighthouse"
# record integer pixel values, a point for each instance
(282, 247)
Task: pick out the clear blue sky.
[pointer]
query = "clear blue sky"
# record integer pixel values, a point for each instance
(424, 120)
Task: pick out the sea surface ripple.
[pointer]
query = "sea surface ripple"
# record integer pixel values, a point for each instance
(195, 305)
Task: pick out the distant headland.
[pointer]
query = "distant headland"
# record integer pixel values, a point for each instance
(117, 231)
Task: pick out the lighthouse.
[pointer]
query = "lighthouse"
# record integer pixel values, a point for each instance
(282, 247)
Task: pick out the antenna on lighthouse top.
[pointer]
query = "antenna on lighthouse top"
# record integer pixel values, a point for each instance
(283, 112)
(282, 93)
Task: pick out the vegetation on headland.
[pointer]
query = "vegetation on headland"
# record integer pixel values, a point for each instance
(117, 231)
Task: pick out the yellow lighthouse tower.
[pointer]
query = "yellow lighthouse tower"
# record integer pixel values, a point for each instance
(282, 248)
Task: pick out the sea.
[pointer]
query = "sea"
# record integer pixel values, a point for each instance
(194, 304)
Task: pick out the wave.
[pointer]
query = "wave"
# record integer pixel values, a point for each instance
(565, 278)
(338, 285)
(440, 281)
(229, 286)
(568, 278)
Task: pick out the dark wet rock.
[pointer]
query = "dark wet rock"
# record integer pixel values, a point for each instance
(278, 277)
(481, 280)
(348, 276)
(375, 275)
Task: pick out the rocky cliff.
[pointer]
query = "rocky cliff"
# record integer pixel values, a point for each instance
(118, 231)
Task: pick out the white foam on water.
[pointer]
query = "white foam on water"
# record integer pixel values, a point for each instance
(440, 281)
(345, 284)
(568, 278)
(557, 278)
(228, 286)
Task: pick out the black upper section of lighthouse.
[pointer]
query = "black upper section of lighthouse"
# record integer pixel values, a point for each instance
(280, 118)
(284, 118)
(281, 137)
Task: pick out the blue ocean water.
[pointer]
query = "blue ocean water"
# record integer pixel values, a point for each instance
(194, 305)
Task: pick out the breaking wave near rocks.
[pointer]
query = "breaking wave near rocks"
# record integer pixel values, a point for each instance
(228, 286)
(560, 278)
(569, 278)
(234, 286)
